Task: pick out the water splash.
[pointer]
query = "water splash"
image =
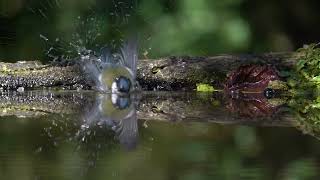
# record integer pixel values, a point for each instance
(100, 25)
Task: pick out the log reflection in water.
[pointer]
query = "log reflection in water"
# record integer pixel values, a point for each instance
(163, 106)
(90, 118)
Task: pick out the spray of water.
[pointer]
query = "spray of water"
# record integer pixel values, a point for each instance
(98, 26)
(90, 46)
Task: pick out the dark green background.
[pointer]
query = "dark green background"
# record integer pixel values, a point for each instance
(166, 27)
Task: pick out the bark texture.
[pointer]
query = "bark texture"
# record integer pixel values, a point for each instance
(171, 73)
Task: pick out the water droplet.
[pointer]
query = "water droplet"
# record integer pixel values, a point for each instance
(38, 150)
(43, 37)
(84, 126)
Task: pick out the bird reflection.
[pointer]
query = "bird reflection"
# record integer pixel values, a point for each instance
(117, 112)
(104, 122)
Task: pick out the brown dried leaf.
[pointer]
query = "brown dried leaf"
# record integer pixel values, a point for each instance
(250, 79)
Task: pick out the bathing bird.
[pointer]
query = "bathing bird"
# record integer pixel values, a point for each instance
(114, 72)
(114, 76)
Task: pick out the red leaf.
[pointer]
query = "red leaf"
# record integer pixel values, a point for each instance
(250, 79)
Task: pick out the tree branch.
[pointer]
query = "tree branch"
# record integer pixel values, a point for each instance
(171, 73)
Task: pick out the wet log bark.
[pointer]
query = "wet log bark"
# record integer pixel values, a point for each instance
(171, 73)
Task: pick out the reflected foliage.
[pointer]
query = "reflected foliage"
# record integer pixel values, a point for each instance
(253, 106)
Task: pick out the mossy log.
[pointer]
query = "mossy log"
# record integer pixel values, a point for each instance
(171, 73)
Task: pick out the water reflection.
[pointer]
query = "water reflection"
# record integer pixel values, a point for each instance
(119, 113)
(105, 123)
(102, 121)
(83, 135)
(116, 112)
(254, 105)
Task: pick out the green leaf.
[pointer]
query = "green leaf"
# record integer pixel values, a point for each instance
(300, 64)
(316, 79)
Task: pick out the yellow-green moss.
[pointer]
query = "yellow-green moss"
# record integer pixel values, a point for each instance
(205, 88)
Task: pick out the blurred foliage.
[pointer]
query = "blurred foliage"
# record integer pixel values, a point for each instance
(166, 27)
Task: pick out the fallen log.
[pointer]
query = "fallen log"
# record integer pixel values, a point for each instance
(171, 73)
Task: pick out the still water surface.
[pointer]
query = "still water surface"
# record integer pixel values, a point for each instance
(81, 136)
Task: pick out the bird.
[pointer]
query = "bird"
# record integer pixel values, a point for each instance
(114, 72)
(114, 75)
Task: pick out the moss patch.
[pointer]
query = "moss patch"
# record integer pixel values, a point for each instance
(205, 88)
(304, 80)
(306, 73)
